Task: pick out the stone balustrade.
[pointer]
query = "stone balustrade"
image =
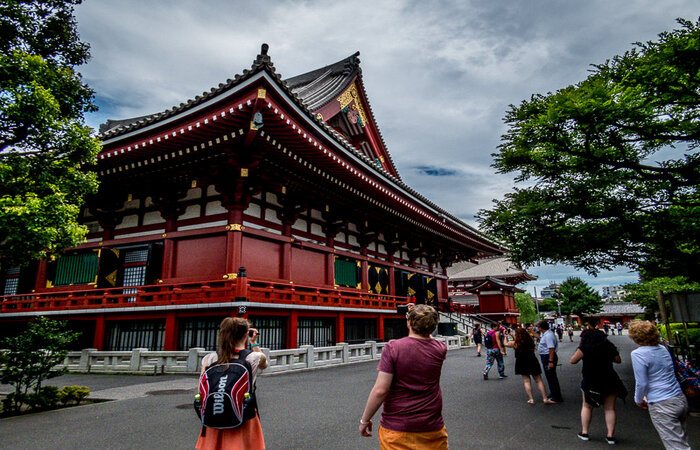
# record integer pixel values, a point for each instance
(143, 361)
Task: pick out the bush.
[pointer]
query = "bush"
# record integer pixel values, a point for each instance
(75, 394)
(693, 333)
(45, 398)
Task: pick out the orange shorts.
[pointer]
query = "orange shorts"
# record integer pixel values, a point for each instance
(403, 440)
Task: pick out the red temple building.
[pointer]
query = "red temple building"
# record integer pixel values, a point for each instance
(487, 286)
(272, 199)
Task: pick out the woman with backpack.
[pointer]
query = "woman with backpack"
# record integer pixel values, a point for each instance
(527, 365)
(657, 388)
(234, 336)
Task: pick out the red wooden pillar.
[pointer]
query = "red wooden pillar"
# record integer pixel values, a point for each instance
(170, 338)
(99, 339)
(380, 327)
(292, 334)
(40, 282)
(286, 255)
(234, 240)
(340, 328)
(168, 259)
(392, 281)
(330, 269)
(364, 275)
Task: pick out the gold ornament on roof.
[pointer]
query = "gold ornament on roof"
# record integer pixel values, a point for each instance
(352, 95)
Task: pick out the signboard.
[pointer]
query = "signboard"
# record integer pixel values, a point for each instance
(685, 306)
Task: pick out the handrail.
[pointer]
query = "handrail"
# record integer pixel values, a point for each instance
(210, 291)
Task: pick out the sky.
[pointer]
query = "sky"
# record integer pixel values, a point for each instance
(439, 75)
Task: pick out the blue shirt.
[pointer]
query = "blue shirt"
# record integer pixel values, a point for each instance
(654, 374)
(547, 341)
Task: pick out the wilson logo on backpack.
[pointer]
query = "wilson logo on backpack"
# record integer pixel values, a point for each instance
(227, 394)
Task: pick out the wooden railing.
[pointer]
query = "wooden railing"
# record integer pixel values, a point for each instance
(212, 291)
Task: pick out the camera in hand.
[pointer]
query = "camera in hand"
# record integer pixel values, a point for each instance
(401, 309)
(251, 333)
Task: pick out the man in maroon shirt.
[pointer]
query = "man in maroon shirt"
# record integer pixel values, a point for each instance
(408, 384)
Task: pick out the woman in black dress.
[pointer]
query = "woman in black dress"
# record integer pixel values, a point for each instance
(476, 337)
(526, 364)
(601, 385)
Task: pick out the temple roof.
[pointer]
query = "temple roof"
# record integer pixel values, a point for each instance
(492, 282)
(496, 267)
(308, 92)
(619, 309)
(320, 86)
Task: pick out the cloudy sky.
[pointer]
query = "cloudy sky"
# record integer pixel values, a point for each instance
(439, 75)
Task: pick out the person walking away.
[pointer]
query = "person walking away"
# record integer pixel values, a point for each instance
(656, 386)
(526, 364)
(560, 332)
(600, 385)
(494, 349)
(570, 332)
(547, 349)
(477, 337)
(502, 333)
(408, 385)
(233, 337)
(606, 327)
(619, 328)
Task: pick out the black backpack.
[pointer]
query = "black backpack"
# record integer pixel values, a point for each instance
(227, 394)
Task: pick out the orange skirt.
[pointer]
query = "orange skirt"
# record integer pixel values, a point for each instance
(403, 440)
(248, 437)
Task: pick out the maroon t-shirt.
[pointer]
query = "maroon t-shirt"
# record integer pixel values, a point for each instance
(414, 403)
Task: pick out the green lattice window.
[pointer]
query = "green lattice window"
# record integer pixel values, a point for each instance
(79, 268)
(346, 272)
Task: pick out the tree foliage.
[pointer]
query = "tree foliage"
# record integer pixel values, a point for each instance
(31, 357)
(609, 168)
(44, 144)
(526, 307)
(645, 293)
(577, 297)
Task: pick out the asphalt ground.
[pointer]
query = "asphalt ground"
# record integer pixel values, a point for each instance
(320, 409)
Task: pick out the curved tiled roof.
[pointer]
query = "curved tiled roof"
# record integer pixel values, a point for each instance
(497, 267)
(322, 79)
(320, 86)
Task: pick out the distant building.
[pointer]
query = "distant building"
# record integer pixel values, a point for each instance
(550, 290)
(614, 293)
(488, 285)
(622, 312)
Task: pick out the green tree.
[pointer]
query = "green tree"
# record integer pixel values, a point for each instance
(609, 167)
(44, 145)
(31, 357)
(577, 297)
(645, 292)
(526, 307)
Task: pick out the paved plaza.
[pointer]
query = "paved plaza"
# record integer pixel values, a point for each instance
(320, 409)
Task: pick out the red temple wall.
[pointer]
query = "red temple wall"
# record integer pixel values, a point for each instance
(261, 258)
(308, 267)
(201, 258)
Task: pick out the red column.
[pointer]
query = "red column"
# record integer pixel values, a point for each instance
(168, 259)
(392, 281)
(234, 240)
(40, 282)
(98, 340)
(340, 328)
(380, 327)
(364, 275)
(330, 269)
(170, 339)
(292, 334)
(286, 260)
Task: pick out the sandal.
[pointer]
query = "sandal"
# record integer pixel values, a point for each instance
(531, 402)
(549, 402)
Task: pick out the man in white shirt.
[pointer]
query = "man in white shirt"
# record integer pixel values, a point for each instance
(547, 349)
